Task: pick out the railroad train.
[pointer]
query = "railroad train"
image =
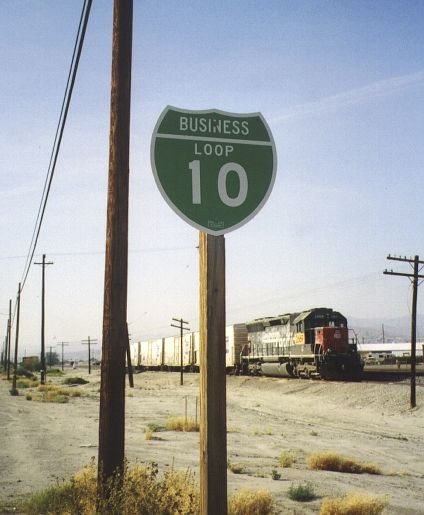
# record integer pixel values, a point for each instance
(311, 344)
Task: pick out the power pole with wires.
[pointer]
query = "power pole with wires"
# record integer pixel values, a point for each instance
(414, 262)
(89, 342)
(62, 344)
(44, 263)
(181, 327)
(14, 391)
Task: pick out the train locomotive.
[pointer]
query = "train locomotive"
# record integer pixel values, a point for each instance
(313, 343)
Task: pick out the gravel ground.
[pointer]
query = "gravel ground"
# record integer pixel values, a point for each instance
(370, 422)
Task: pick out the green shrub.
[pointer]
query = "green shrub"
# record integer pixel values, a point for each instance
(26, 372)
(75, 380)
(275, 475)
(54, 372)
(155, 427)
(302, 492)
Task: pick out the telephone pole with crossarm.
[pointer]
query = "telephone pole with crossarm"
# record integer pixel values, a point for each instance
(415, 263)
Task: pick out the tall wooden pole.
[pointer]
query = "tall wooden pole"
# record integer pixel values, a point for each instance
(89, 342)
(182, 326)
(62, 344)
(43, 306)
(9, 337)
(213, 422)
(14, 391)
(43, 370)
(414, 332)
(112, 391)
(414, 280)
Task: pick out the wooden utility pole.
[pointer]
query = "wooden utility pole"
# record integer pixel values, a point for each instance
(50, 356)
(112, 391)
(181, 327)
(14, 391)
(213, 421)
(43, 349)
(89, 342)
(9, 337)
(63, 345)
(414, 262)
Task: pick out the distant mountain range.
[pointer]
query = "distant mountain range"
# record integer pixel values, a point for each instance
(395, 329)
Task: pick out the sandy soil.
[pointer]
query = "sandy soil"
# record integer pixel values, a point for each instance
(41, 442)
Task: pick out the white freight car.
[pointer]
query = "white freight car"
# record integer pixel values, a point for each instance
(165, 353)
(172, 351)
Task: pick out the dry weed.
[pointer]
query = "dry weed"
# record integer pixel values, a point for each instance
(286, 459)
(182, 424)
(236, 468)
(249, 502)
(24, 382)
(141, 491)
(353, 504)
(337, 463)
(54, 393)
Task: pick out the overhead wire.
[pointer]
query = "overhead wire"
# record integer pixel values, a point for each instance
(82, 27)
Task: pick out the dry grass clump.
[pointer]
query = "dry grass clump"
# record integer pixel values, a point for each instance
(236, 468)
(24, 382)
(182, 424)
(263, 432)
(141, 490)
(353, 504)
(286, 459)
(47, 387)
(337, 463)
(53, 393)
(250, 502)
(148, 435)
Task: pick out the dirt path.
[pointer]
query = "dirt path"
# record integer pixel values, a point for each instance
(41, 442)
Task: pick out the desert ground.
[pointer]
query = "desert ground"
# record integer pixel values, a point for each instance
(42, 442)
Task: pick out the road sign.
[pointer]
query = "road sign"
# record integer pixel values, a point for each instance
(214, 169)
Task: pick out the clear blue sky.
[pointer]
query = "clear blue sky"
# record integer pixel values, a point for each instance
(341, 85)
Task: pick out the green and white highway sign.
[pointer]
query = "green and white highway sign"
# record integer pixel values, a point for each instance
(215, 169)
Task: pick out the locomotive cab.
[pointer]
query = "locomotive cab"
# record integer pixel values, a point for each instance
(332, 339)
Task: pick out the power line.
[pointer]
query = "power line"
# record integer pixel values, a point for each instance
(102, 252)
(58, 136)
